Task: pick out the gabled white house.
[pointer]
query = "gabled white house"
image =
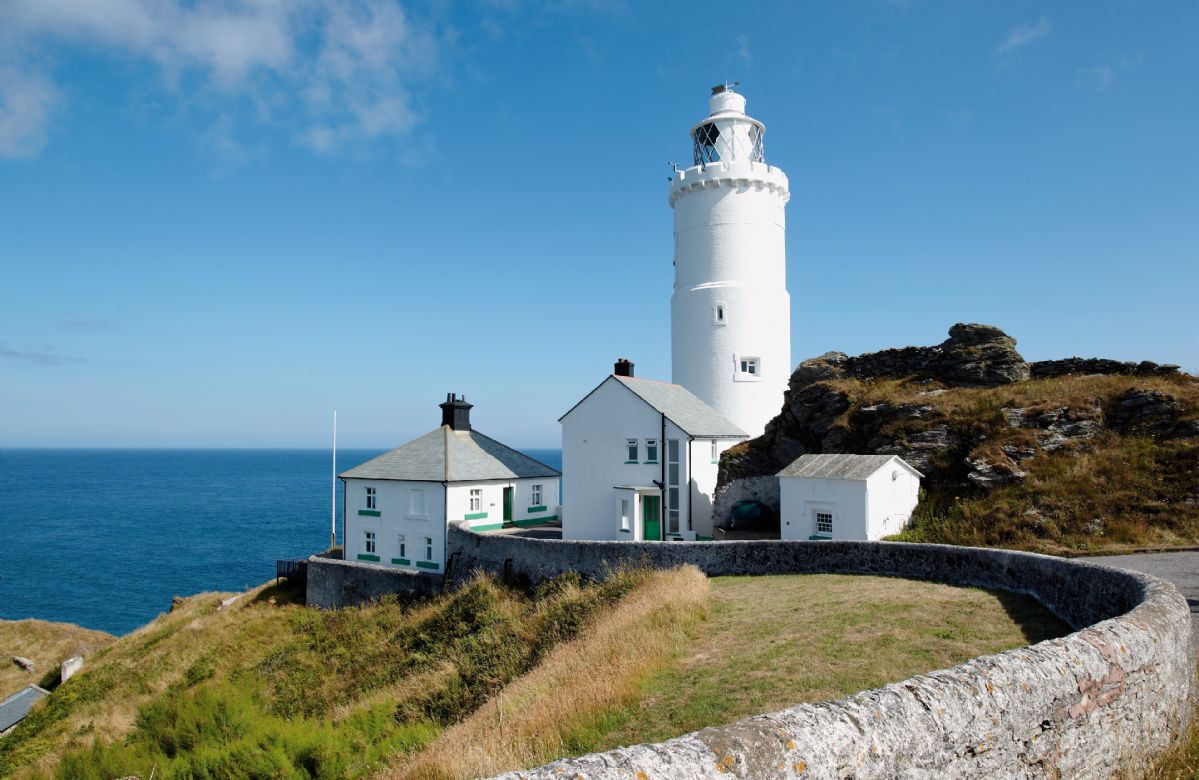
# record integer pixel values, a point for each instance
(846, 496)
(640, 459)
(397, 505)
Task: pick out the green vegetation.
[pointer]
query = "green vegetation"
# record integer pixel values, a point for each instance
(489, 679)
(603, 667)
(772, 642)
(1181, 760)
(1116, 489)
(265, 688)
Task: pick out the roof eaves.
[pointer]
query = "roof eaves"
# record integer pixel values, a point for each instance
(584, 398)
(742, 435)
(907, 465)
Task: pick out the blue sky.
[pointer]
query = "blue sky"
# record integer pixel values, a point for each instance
(220, 221)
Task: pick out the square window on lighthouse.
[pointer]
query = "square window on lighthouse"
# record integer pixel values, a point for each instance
(749, 365)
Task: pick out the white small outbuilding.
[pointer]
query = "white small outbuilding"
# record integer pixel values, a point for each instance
(863, 497)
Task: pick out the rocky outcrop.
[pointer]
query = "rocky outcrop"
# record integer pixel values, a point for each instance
(1151, 413)
(957, 446)
(973, 356)
(1076, 366)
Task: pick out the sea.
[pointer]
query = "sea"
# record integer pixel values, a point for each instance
(105, 538)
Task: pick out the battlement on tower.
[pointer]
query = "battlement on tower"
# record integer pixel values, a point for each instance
(742, 175)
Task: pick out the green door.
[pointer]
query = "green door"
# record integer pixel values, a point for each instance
(507, 505)
(651, 518)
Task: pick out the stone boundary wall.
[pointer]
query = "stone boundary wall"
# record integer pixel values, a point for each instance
(333, 582)
(1099, 702)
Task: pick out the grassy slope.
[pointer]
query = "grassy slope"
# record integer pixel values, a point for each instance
(1110, 492)
(47, 645)
(531, 719)
(773, 642)
(264, 687)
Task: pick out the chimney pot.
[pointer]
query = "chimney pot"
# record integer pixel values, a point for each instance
(623, 368)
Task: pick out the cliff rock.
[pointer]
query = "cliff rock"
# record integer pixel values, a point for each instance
(974, 417)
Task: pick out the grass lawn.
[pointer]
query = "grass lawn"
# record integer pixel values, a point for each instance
(769, 643)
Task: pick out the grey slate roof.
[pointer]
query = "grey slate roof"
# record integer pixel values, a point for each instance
(14, 709)
(841, 466)
(446, 455)
(679, 405)
(683, 408)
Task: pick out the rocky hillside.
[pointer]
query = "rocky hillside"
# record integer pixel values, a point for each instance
(1052, 455)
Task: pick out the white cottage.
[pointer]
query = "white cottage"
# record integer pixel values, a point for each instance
(846, 496)
(640, 459)
(397, 505)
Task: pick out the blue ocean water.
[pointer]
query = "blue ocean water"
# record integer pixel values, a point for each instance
(105, 538)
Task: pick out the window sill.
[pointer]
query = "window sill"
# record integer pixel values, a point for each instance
(428, 565)
(623, 530)
(476, 516)
(820, 538)
(369, 512)
(630, 463)
(367, 557)
(402, 561)
(651, 463)
(537, 509)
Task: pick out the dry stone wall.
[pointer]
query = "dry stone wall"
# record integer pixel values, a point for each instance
(1099, 702)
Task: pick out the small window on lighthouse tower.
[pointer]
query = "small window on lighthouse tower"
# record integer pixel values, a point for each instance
(749, 365)
(720, 314)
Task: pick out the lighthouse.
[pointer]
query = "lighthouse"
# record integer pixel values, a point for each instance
(730, 314)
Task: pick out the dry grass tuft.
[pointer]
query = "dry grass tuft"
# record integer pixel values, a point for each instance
(47, 645)
(528, 722)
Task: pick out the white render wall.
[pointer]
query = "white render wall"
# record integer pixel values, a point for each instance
(800, 497)
(864, 510)
(593, 460)
(393, 505)
(703, 482)
(458, 502)
(890, 501)
(594, 436)
(729, 230)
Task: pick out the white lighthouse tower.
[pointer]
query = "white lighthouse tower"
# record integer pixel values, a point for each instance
(730, 314)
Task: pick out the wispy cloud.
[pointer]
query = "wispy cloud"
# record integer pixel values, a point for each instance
(743, 49)
(1098, 79)
(1024, 34)
(27, 99)
(337, 71)
(34, 357)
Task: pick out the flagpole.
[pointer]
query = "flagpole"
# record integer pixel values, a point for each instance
(333, 500)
